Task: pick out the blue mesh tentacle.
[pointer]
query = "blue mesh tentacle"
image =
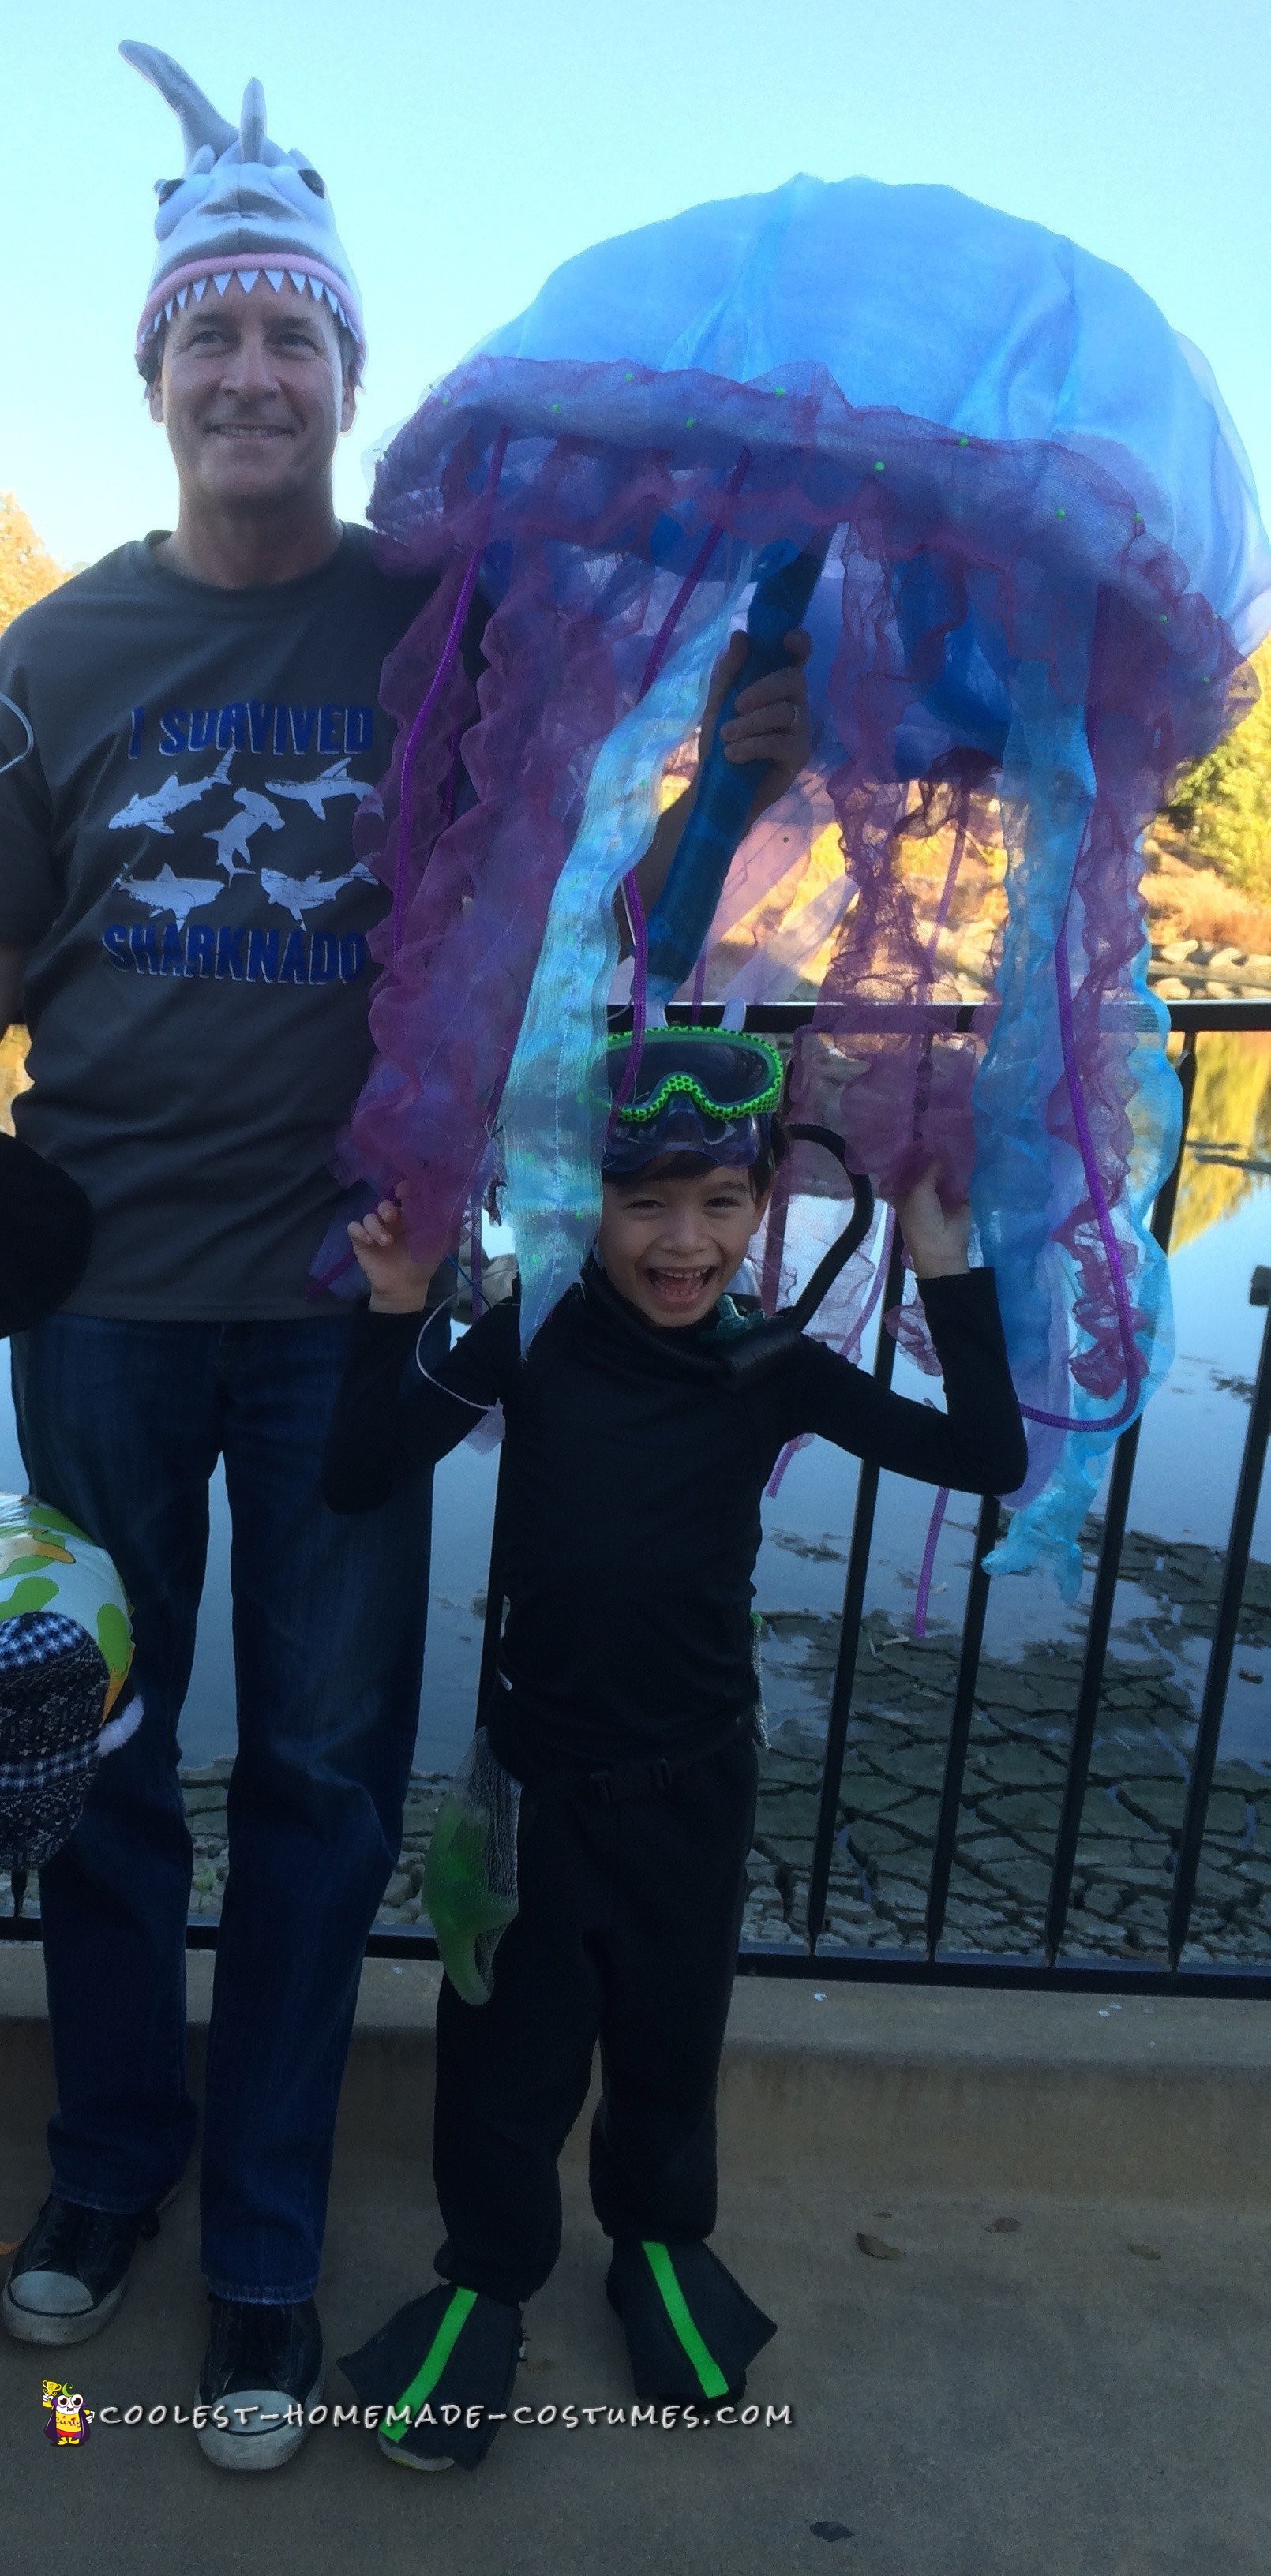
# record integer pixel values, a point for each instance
(556, 1106)
(1029, 1179)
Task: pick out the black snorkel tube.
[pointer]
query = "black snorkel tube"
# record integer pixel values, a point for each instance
(749, 1352)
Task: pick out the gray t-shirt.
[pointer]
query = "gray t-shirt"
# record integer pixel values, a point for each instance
(175, 843)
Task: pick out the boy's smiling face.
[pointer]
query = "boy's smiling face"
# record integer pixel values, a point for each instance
(671, 1241)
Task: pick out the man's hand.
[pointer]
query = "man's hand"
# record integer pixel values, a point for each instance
(770, 721)
(936, 1243)
(398, 1285)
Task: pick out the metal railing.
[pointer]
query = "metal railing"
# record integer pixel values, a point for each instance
(933, 1964)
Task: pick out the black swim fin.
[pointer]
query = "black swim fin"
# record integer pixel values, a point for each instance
(442, 2359)
(691, 2330)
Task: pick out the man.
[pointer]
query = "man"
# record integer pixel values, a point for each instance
(189, 726)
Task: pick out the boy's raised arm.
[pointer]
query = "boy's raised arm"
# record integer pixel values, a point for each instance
(406, 1399)
(978, 1445)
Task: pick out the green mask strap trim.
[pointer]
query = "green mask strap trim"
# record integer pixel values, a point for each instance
(435, 2359)
(711, 2377)
(766, 1097)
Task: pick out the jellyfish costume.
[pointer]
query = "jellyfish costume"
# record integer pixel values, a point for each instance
(1008, 504)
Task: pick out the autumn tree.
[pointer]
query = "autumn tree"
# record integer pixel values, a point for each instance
(27, 570)
(1222, 806)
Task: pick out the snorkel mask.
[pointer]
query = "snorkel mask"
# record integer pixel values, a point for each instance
(691, 1091)
(714, 1092)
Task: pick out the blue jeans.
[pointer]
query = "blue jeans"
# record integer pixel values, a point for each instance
(121, 1426)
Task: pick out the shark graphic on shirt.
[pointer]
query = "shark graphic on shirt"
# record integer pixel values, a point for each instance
(299, 895)
(233, 840)
(169, 893)
(150, 813)
(334, 781)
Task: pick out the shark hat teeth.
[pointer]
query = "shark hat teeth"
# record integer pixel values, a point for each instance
(244, 208)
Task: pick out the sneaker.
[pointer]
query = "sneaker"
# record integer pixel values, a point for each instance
(262, 2372)
(70, 2273)
(691, 2331)
(440, 2363)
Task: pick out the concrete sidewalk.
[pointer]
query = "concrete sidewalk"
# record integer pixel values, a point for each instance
(1081, 2395)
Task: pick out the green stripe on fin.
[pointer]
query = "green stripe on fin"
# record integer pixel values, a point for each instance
(435, 2359)
(713, 2382)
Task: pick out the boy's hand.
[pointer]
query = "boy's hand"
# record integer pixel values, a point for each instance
(398, 1285)
(936, 1243)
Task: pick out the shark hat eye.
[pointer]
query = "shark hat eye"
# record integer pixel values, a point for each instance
(165, 188)
(311, 180)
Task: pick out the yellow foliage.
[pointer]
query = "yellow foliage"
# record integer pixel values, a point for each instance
(13, 1074)
(1222, 806)
(27, 570)
(1231, 1119)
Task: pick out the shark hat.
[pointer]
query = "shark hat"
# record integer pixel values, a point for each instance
(244, 209)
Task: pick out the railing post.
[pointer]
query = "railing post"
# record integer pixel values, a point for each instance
(977, 1602)
(1107, 1573)
(1218, 1670)
(850, 1629)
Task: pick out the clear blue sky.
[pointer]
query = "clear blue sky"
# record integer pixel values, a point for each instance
(469, 149)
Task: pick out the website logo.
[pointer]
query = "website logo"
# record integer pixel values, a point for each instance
(68, 2417)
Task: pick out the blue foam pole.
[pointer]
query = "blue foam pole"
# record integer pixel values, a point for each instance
(679, 924)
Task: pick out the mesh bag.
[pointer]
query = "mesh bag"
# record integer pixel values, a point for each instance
(470, 1880)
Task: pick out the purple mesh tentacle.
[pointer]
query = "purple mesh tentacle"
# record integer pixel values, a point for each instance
(449, 652)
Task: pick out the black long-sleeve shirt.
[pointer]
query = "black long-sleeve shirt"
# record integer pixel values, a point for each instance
(631, 1492)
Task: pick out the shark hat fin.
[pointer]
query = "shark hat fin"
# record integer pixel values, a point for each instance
(251, 124)
(200, 123)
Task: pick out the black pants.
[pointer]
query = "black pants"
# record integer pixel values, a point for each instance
(627, 1934)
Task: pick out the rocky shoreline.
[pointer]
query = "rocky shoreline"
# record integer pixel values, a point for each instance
(1011, 1797)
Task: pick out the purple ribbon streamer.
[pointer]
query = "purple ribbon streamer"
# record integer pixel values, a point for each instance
(934, 1526)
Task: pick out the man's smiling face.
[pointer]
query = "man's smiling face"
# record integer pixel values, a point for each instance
(253, 395)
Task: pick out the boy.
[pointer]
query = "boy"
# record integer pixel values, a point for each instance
(635, 1461)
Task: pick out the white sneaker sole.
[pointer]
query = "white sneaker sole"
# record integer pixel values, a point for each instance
(249, 2451)
(37, 2325)
(405, 2459)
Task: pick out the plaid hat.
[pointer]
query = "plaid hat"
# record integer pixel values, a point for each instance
(65, 1657)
